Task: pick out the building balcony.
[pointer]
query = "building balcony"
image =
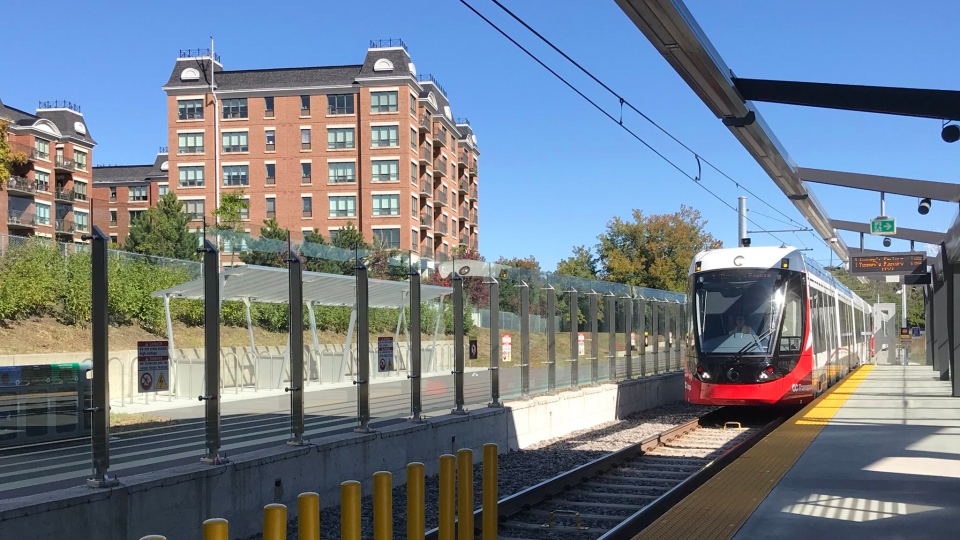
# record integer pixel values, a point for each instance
(473, 218)
(464, 187)
(65, 195)
(465, 240)
(440, 199)
(473, 193)
(463, 160)
(425, 221)
(440, 137)
(28, 151)
(21, 220)
(65, 226)
(425, 122)
(21, 186)
(440, 167)
(472, 171)
(440, 228)
(426, 189)
(61, 163)
(426, 252)
(464, 212)
(425, 156)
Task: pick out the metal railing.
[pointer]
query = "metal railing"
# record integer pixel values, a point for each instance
(426, 251)
(26, 149)
(465, 240)
(18, 218)
(59, 104)
(441, 197)
(464, 186)
(425, 219)
(440, 167)
(440, 227)
(21, 185)
(64, 163)
(426, 189)
(65, 195)
(391, 42)
(464, 211)
(65, 226)
(473, 171)
(440, 137)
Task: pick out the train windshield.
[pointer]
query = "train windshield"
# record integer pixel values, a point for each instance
(739, 311)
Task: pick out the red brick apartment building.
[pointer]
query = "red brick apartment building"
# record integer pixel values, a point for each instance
(122, 192)
(47, 195)
(315, 147)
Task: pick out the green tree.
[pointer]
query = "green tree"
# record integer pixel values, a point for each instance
(228, 219)
(582, 264)
(653, 251)
(349, 237)
(270, 249)
(163, 231)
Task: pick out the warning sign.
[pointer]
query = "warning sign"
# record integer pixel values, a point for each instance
(581, 341)
(506, 348)
(153, 366)
(384, 354)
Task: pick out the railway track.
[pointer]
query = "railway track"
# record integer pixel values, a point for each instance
(613, 497)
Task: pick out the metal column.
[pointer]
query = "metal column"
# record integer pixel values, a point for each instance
(551, 316)
(655, 334)
(458, 361)
(211, 346)
(524, 340)
(574, 339)
(941, 338)
(295, 323)
(611, 317)
(594, 339)
(416, 365)
(99, 409)
(494, 344)
(928, 321)
(363, 349)
(953, 274)
(642, 335)
(627, 329)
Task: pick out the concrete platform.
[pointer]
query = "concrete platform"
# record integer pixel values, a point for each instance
(887, 465)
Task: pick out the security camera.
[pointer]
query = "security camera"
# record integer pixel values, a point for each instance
(834, 240)
(924, 207)
(950, 133)
(886, 242)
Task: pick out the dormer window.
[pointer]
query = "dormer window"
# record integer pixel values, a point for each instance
(190, 74)
(383, 65)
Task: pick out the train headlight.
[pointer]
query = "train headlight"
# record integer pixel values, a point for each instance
(703, 373)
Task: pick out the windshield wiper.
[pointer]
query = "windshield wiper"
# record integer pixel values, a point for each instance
(756, 341)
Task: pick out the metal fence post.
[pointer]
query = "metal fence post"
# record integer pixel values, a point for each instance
(416, 365)
(458, 361)
(524, 340)
(655, 334)
(99, 409)
(611, 318)
(211, 350)
(363, 349)
(627, 329)
(642, 334)
(574, 339)
(295, 324)
(494, 343)
(551, 317)
(594, 339)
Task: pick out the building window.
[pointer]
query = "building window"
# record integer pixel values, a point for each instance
(163, 189)
(339, 138)
(306, 170)
(271, 207)
(341, 172)
(381, 136)
(132, 215)
(191, 176)
(383, 102)
(343, 206)
(194, 209)
(307, 206)
(245, 210)
(235, 141)
(42, 147)
(43, 214)
(190, 109)
(305, 139)
(268, 107)
(137, 193)
(413, 173)
(414, 240)
(113, 239)
(43, 180)
(304, 105)
(413, 104)
(340, 104)
(388, 238)
(80, 219)
(386, 205)
(80, 160)
(271, 173)
(271, 140)
(79, 190)
(235, 175)
(235, 108)
(113, 218)
(386, 170)
(190, 143)
(113, 194)
(413, 139)
(414, 202)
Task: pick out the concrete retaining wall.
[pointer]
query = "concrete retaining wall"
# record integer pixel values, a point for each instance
(174, 502)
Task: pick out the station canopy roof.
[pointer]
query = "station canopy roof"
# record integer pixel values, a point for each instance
(271, 286)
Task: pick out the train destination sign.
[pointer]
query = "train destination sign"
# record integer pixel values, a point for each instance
(894, 263)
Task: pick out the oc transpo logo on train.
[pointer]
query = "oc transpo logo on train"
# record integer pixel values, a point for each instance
(801, 387)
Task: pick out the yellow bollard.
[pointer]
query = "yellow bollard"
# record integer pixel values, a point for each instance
(465, 493)
(448, 496)
(216, 529)
(308, 516)
(274, 522)
(489, 492)
(382, 506)
(350, 510)
(415, 502)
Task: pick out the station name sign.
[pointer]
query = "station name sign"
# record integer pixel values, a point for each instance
(894, 263)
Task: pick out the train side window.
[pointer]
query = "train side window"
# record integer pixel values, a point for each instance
(9, 415)
(36, 405)
(790, 335)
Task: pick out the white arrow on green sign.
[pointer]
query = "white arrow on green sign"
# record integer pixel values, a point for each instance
(883, 226)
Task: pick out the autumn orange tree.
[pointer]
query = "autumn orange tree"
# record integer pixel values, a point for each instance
(653, 251)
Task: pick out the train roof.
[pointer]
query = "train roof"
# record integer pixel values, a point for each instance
(766, 257)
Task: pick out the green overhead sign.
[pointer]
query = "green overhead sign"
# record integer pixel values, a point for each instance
(883, 226)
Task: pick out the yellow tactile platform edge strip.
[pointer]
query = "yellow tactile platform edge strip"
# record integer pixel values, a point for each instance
(717, 509)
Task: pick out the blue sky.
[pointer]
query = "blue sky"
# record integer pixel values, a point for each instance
(553, 170)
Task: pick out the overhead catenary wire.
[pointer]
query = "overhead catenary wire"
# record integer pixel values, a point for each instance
(608, 115)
